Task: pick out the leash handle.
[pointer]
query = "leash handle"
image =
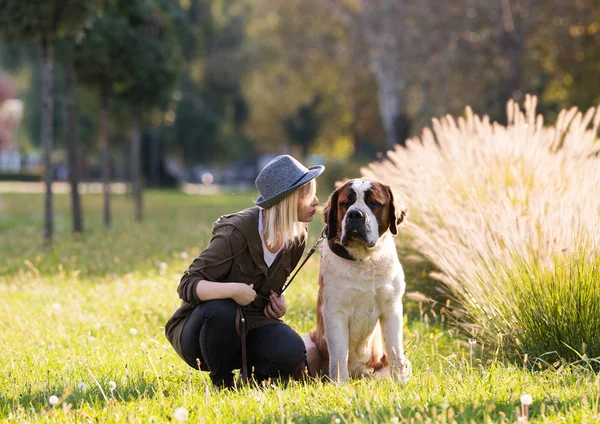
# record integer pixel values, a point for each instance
(310, 253)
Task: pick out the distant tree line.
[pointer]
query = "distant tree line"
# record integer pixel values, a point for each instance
(213, 82)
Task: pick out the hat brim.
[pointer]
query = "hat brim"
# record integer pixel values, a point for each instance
(313, 172)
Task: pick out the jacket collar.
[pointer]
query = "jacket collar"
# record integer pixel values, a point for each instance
(246, 222)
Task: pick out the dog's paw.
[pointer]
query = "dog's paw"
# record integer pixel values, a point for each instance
(404, 371)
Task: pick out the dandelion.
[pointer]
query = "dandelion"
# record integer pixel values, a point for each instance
(526, 400)
(133, 331)
(81, 386)
(53, 400)
(112, 385)
(181, 414)
(56, 306)
(144, 346)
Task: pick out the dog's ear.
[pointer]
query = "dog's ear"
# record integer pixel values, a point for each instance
(397, 210)
(330, 214)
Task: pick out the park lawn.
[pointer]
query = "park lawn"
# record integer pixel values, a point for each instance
(85, 322)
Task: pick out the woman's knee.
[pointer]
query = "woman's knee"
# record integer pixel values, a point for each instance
(289, 354)
(220, 309)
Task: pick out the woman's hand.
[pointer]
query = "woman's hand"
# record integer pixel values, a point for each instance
(276, 307)
(243, 294)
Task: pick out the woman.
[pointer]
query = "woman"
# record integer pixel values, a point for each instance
(247, 262)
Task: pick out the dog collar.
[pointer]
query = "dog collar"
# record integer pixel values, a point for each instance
(340, 250)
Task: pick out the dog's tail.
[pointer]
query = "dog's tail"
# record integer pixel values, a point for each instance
(379, 358)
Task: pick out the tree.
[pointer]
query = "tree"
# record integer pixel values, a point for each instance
(41, 21)
(71, 132)
(302, 127)
(212, 111)
(153, 59)
(107, 59)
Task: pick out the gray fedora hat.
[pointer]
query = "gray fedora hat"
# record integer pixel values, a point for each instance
(280, 177)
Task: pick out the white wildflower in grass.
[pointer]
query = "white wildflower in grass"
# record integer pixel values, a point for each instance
(526, 399)
(143, 346)
(181, 414)
(394, 420)
(133, 331)
(56, 306)
(112, 385)
(162, 267)
(509, 215)
(184, 255)
(82, 386)
(53, 400)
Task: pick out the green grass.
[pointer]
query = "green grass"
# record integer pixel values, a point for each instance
(92, 311)
(549, 310)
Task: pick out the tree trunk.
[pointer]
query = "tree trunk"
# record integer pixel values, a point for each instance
(380, 20)
(47, 135)
(391, 107)
(136, 177)
(72, 138)
(105, 147)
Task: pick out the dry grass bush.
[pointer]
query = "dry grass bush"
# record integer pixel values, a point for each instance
(511, 217)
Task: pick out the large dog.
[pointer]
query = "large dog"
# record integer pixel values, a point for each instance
(361, 284)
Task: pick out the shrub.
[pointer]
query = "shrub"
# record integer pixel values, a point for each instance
(511, 218)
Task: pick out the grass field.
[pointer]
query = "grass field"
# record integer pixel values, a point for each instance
(84, 322)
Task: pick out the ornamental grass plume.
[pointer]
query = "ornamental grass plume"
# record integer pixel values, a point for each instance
(510, 215)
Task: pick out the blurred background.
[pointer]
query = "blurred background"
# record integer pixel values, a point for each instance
(161, 93)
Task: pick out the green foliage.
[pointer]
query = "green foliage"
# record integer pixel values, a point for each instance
(551, 310)
(154, 56)
(103, 55)
(92, 311)
(212, 109)
(303, 126)
(36, 20)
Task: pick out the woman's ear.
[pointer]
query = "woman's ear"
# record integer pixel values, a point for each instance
(330, 215)
(397, 210)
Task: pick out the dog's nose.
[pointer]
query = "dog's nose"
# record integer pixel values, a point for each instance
(356, 215)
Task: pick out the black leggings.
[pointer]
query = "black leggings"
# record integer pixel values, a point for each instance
(209, 336)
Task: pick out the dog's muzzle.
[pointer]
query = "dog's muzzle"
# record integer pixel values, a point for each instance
(355, 228)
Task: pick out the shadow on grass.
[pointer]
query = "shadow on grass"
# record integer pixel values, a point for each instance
(39, 401)
(467, 413)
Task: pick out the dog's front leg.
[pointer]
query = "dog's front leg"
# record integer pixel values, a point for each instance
(336, 334)
(391, 326)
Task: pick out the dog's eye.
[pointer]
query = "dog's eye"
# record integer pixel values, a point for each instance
(373, 203)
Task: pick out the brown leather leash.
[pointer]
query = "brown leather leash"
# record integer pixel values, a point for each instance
(241, 326)
(310, 253)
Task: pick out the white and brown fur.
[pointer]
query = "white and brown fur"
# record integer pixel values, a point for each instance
(359, 307)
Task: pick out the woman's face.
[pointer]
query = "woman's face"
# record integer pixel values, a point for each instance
(307, 205)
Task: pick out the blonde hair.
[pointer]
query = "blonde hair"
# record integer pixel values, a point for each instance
(281, 219)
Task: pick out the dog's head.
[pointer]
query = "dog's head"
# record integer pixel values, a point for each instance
(361, 211)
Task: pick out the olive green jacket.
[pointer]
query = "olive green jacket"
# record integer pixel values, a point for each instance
(234, 254)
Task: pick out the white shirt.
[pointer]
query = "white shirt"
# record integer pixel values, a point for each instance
(268, 256)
